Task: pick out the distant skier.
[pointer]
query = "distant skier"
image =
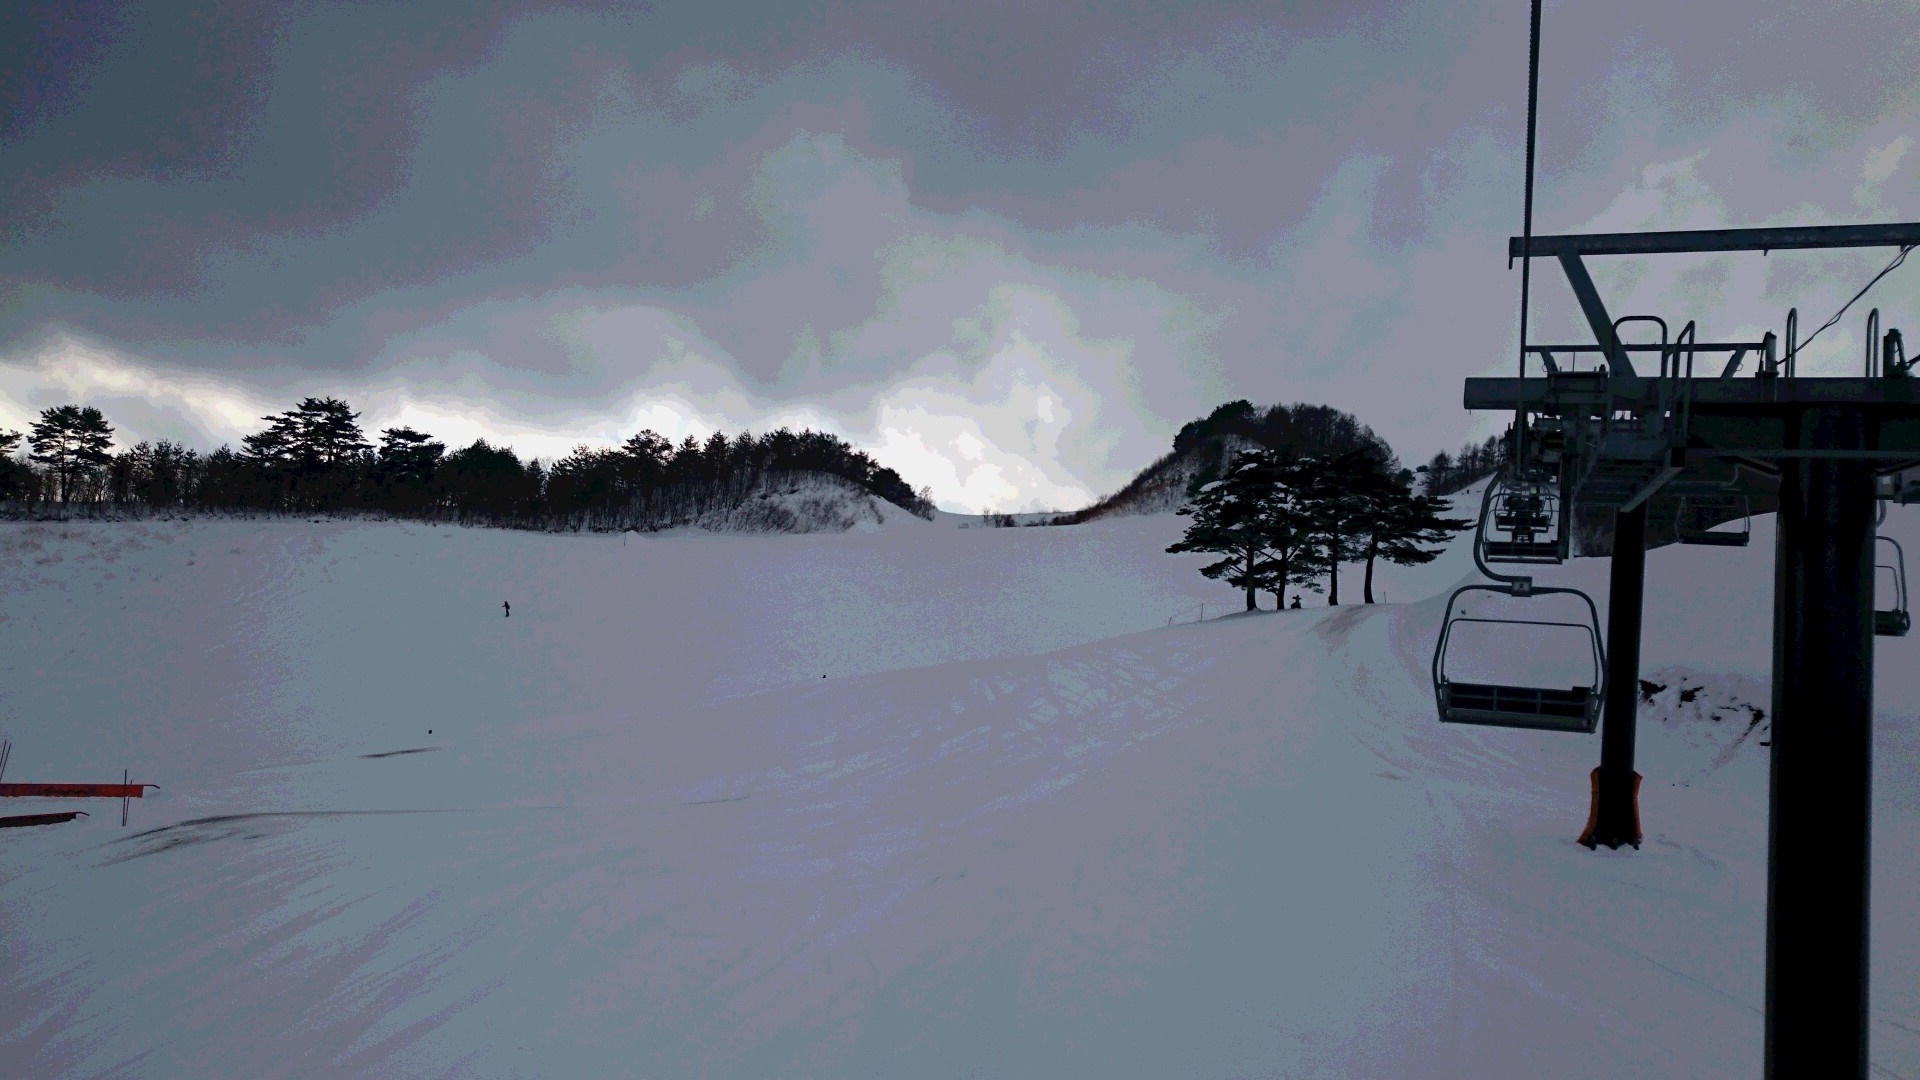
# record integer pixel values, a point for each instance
(1296, 601)
(509, 609)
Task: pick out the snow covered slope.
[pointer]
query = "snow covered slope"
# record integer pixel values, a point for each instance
(1023, 827)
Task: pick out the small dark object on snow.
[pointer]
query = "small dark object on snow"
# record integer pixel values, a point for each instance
(1296, 603)
(1648, 689)
(509, 609)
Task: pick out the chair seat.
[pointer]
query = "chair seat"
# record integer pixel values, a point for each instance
(1574, 709)
(1537, 522)
(1521, 551)
(1891, 623)
(1715, 539)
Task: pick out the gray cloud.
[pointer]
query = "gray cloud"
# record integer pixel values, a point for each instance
(912, 225)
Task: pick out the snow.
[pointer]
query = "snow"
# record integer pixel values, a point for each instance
(1023, 826)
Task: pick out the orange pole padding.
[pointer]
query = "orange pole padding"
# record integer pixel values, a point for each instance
(1637, 834)
(74, 791)
(1593, 810)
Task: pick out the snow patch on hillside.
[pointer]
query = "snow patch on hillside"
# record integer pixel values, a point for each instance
(801, 503)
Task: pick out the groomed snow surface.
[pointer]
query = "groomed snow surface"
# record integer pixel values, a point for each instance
(1023, 827)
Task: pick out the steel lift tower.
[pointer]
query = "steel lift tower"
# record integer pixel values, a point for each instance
(1667, 429)
(1614, 440)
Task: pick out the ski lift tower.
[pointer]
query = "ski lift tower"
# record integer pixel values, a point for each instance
(1657, 421)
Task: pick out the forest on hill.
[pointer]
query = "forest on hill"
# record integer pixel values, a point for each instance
(1204, 448)
(316, 459)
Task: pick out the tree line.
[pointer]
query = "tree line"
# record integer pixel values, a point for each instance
(1448, 473)
(1278, 519)
(315, 458)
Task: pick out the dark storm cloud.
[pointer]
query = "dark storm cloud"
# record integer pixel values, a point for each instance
(317, 151)
(981, 214)
(149, 147)
(182, 136)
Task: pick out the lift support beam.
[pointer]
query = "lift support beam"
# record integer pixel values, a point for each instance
(1596, 312)
(1697, 240)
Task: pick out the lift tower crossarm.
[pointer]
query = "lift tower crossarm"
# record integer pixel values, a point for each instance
(1580, 392)
(1899, 234)
(1597, 318)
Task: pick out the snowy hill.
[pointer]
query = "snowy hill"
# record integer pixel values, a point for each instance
(1161, 487)
(812, 502)
(1023, 826)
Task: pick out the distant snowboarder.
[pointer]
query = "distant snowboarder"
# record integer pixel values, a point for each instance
(509, 609)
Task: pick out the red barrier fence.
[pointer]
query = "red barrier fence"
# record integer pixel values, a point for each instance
(74, 791)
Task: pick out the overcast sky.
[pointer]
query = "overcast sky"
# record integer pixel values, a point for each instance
(1007, 246)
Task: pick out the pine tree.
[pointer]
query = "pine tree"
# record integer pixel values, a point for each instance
(13, 475)
(1400, 525)
(1293, 544)
(230, 481)
(1231, 517)
(311, 454)
(488, 483)
(160, 473)
(73, 443)
(403, 470)
(1336, 495)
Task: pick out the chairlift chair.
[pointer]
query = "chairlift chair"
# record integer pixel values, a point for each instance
(1530, 517)
(1575, 708)
(1895, 622)
(1731, 505)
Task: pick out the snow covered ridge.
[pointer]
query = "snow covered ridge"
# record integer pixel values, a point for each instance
(793, 503)
(1161, 488)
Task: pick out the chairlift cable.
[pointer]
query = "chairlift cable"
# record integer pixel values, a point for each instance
(1526, 225)
(1888, 269)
